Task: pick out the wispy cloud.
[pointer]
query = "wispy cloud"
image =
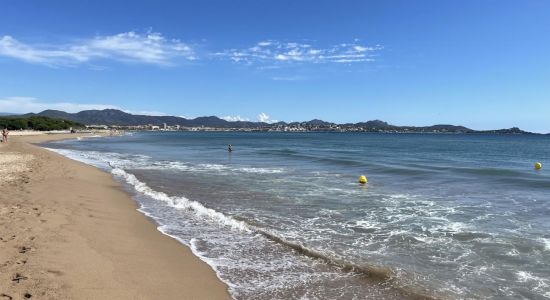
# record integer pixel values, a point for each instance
(148, 48)
(263, 117)
(21, 105)
(272, 51)
(234, 118)
(288, 78)
(155, 49)
(29, 104)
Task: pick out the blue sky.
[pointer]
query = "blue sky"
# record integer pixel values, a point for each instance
(483, 64)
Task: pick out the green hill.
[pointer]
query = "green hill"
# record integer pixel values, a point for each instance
(37, 123)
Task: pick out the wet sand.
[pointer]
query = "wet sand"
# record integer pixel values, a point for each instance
(69, 231)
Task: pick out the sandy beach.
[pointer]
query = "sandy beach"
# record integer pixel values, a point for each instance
(69, 231)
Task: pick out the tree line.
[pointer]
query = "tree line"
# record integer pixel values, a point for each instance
(37, 123)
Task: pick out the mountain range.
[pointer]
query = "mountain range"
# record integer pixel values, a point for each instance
(121, 118)
(118, 117)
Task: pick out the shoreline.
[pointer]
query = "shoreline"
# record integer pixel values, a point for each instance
(72, 232)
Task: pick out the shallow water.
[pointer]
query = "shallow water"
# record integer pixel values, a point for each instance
(452, 216)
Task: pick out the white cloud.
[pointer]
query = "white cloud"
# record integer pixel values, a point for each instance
(28, 104)
(148, 48)
(263, 117)
(272, 51)
(288, 78)
(234, 118)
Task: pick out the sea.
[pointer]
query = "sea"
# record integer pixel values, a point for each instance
(282, 216)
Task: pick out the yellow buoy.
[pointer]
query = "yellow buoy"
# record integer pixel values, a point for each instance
(362, 179)
(538, 166)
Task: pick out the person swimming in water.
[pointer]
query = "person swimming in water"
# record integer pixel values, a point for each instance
(229, 148)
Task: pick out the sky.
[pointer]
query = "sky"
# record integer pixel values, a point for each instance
(484, 64)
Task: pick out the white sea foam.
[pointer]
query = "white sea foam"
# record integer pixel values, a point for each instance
(512, 252)
(367, 224)
(261, 170)
(213, 167)
(427, 240)
(400, 196)
(215, 264)
(78, 156)
(91, 136)
(133, 161)
(188, 167)
(218, 167)
(325, 212)
(524, 276)
(546, 243)
(180, 202)
(80, 138)
(450, 227)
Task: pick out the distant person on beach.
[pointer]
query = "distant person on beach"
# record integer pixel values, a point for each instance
(5, 133)
(229, 148)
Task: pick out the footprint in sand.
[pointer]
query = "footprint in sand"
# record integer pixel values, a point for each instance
(5, 240)
(24, 249)
(27, 296)
(18, 277)
(6, 296)
(54, 272)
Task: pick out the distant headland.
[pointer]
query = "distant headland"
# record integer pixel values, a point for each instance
(112, 118)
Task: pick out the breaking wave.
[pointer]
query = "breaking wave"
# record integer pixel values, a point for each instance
(371, 272)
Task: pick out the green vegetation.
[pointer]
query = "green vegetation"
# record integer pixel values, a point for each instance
(37, 123)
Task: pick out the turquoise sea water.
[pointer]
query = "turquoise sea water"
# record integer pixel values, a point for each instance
(283, 217)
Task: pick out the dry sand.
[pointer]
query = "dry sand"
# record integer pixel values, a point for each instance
(68, 231)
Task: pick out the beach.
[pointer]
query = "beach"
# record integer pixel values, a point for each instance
(283, 215)
(69, 231)
(173, 215)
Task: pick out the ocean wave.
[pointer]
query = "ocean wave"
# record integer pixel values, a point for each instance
(493, 172)
(207, 213)
(546, 243)
(164, 229)
(180, 202)
(256, 170)
(372, 272)
(403, 171)
(406, 207)
(293, 154)
(88, 137)
(176, 165)
(137, 161)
